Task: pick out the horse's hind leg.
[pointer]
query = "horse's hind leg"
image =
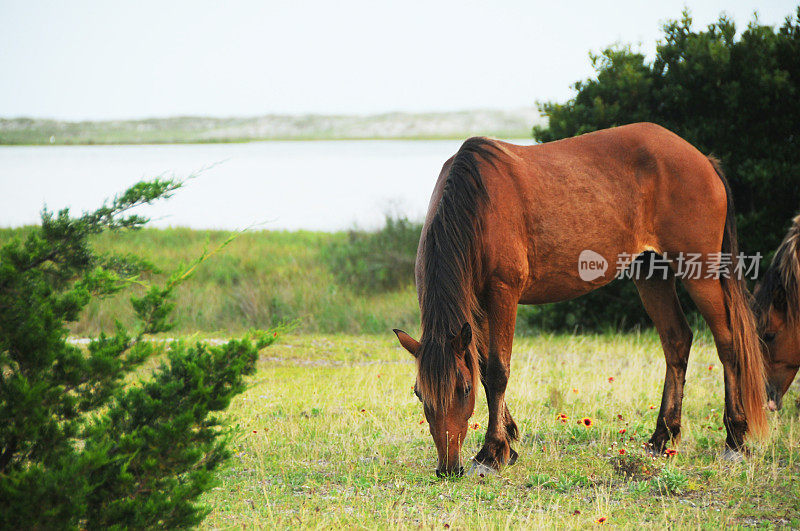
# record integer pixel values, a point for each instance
(662, 305)
(707, 294)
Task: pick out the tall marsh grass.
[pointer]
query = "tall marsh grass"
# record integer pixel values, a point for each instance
(262, 279)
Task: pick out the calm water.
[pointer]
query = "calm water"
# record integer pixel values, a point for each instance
(322, 185)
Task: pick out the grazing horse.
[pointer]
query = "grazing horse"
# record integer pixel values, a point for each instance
(777, 306)
(508, 224)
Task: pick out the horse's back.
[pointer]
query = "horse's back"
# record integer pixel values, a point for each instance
(615, 192)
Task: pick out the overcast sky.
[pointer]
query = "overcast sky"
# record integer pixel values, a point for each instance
(112, 59)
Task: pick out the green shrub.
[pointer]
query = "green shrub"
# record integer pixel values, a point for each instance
(379, 261)
(84, 443)
(670, 481)
(539, 480)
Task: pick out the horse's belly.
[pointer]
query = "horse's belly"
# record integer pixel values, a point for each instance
(578, 262)
(561, 287)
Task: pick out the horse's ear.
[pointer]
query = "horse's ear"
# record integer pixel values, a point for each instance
(408, 342)
(462, 340)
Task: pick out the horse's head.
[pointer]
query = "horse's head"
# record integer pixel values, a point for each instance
(781, 356)
(446, 376)
(777, 307)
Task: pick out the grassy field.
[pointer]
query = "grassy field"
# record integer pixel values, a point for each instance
(330, 435)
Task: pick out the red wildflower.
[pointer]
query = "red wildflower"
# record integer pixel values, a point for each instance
(652, 406)
(422, 422)
(711, 367)
(610, 379)
(576, 512)
(623, 430)
(275, 334)
(574, 389)
(669, 452)
(586, 421)
(619, 417)
(363, 410)
(562, 417)
(255, 431)
(601, 520)
(622, 451)
(475, 426)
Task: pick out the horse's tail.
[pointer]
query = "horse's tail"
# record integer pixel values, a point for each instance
(746, 343)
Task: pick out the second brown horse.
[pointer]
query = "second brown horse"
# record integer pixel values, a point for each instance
(507, 224)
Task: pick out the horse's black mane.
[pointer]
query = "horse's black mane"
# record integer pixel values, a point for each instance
(449, 266)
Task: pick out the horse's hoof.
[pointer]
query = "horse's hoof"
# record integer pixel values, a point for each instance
(650, 451)
(480, 470)
(732, 456)
(512, 458)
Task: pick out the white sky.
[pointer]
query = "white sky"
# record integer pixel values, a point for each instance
(113, 59)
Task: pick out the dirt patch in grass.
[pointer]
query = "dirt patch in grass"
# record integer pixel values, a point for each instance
(635, 467)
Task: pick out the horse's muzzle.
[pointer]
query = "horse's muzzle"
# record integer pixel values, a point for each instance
(774, 398)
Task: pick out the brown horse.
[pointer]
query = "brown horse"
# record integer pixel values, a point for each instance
(507, 225)
(777, 305)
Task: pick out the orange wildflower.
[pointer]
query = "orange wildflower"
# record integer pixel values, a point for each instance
(586, 421)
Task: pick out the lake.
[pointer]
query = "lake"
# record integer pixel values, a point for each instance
(314, 185)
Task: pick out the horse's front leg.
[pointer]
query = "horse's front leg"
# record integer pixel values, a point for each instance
(495, 371)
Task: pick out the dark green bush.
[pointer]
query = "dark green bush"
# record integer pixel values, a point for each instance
(378, 261)
(84, 441)
(735, 97)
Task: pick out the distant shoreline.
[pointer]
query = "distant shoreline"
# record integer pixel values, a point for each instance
(515, 123)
